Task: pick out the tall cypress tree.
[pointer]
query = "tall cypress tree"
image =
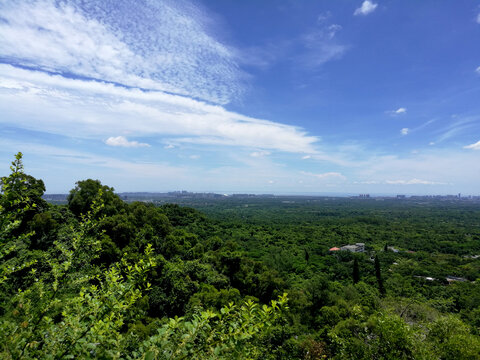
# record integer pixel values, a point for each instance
(378, 274)
(356, 271)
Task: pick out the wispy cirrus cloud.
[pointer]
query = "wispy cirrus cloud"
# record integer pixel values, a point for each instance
(88, 108)
(366, 8)
(149, 45)
(265, 55)
(406, 131)
(413, 181)
(321, 46)
(447, 168)
(458, 126)
(310, 49)
(154, 70)
(92, 68)
(474, 146)
(104, 167)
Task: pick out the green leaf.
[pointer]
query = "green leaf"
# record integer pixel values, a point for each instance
(150, 355)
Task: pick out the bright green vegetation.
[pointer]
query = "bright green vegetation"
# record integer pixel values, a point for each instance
(101, 278)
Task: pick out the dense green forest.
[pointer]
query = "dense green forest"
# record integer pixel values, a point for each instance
(235, 278)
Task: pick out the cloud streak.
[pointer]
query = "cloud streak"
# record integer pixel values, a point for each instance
(310, 50)
(259, 154)
(326, 176)
(122, 141)
(412, 182)
(459, 126)
(88, 108)
(475, 146)
(321, 46)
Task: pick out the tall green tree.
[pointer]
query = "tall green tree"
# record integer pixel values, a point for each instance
(356, 271)
(81, 198)
(21, 194)
(378, 274)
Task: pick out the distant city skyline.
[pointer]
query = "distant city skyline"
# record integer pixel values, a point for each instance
(278, 97)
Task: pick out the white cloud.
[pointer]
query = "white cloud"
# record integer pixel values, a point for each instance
(129, 75)
(169, 146)
(366, 8)
(327, 175)
(369, 182)
(87, 108)
(477, 70)
(404, 131)
(152, 45)
(194, 157)
(413, 181)
(478, 18)
(399, 111)
(260, 153)
(123, 142)
(306, 157)
(133, 173)
(475, 146)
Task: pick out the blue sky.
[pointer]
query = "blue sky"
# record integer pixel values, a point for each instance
(379, 97)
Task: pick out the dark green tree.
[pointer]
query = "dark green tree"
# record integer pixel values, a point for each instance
(85, 192)
(147, 214)
(378, 274)
(356, 271)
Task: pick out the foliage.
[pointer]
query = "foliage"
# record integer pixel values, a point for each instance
(70, 305)
(234, 332)
(380, 336)
(102, 278)
(82, 196)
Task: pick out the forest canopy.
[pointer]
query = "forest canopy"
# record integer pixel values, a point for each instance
(103, 278)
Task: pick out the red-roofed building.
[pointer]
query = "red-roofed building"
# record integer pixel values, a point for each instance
(334, 249)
